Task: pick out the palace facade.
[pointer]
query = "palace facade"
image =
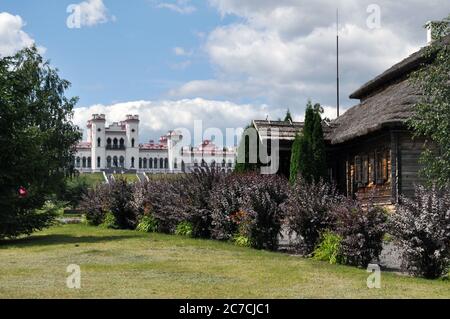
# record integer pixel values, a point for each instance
(116, 148)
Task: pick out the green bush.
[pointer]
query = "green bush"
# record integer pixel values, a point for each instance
(110, 221)
(242, 241)
(148, 224)
(329, 249)
(74, 190)
(184, 229)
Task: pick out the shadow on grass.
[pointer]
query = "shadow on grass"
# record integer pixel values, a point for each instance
(57, 239)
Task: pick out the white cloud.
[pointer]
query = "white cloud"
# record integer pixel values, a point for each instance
(283, 52)
(12, 37)
(179, 51)
(158, 117)
(179, 6)
(93, 12)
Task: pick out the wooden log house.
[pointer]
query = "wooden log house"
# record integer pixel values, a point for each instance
(371, 152)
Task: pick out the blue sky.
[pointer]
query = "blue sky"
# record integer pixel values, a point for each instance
(128, 59)
(224, 62)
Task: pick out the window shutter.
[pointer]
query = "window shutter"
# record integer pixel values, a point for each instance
(379, 167)
(372, 168)
(358, 170)
(365, 170)
(385, 165)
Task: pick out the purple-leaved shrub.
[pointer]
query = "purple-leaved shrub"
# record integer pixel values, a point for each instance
(309, 212)
(120, 204)
(226, 201)
(198, 209)
(263, 200)
(95, 204)
(166, 199)
(421, 226)
(361, 229)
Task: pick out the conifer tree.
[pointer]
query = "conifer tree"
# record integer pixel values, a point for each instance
(308, 150)
(288, 116)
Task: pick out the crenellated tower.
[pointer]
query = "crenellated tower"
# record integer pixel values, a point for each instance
(132, 141)
(96, 136)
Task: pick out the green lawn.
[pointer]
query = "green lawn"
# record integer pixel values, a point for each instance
(126, 264)
(92, 179)
(131, 178)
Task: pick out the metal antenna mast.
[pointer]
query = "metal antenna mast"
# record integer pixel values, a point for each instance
(337, 61)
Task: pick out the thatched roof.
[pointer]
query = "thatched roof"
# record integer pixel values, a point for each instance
(392, 106)
(286, 130)
(386, 100)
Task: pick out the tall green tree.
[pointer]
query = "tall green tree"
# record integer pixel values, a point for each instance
(295, 158)
(318, 146)
(431, 117)
(288, 117)
(308, 150)
(37, 140)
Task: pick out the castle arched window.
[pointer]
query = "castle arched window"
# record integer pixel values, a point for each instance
(161, 163)
(122, 161)
(132, 162)
(150, 163)
(115, 143)
(224, 163)
(108, 162)
(230, 163)
(89, 162)
(140, 162)
(99, 142)
(175, 164)
(115, 161)
(145, 163)
(132, 142)
(166, 163)
(122, 142)
(183, 166)
(78, 162)
(108, 142)
(99, 162)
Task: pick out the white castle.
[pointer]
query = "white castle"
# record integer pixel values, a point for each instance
(116, 148)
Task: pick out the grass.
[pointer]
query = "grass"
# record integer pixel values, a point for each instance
(131, 178)
(92, 179)
(129, 264)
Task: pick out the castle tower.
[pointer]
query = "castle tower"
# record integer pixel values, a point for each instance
(174, 149)
(96, 133)
(132, 142)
